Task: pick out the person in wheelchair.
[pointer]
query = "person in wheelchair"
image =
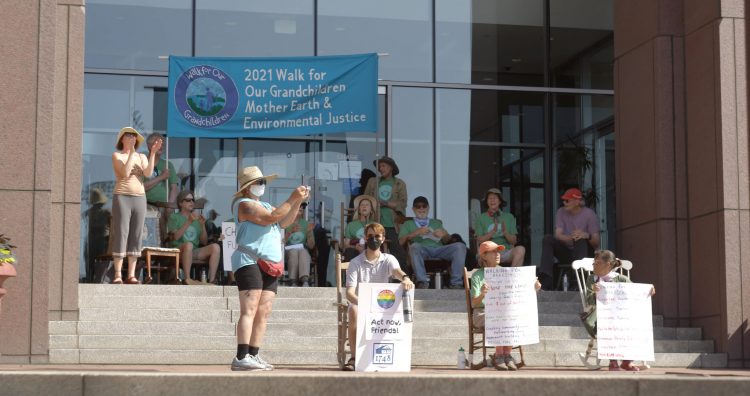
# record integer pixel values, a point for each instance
(489, 256)
(605, 266)
(371, 266)
(299, 238)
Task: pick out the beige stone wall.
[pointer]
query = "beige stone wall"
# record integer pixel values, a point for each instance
(40, 173)
(682, 160)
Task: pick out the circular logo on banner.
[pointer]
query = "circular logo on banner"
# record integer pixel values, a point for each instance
(386, 299)
(206, 96)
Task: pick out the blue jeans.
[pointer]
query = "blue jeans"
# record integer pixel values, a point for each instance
(455, 253)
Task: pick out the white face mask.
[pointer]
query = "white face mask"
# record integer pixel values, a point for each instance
(258, 190)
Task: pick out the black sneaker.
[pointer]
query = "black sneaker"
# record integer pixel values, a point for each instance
(423, 285)
(456, 286)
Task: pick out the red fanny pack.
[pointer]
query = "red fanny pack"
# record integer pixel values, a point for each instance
(271, 268)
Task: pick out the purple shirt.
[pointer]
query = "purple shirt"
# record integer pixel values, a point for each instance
(585, 220)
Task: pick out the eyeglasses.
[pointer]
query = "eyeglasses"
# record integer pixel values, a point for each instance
(188, 200)
(420, 206)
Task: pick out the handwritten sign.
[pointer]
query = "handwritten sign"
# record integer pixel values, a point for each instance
(229, 243)
(625, 329)
(511, 314)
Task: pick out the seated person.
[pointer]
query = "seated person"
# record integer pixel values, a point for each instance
(489, 256)
(373, 266)
(187, 231)
(576, 235)
(298, 238)
(499, 227)
(354, 234)
(427, 239)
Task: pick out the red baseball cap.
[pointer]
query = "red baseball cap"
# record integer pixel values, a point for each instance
(488, 246)
(572, 193)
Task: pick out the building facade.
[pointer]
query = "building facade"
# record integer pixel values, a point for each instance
(640, 103)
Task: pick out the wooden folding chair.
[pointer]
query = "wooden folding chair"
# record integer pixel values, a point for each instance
(475, 333)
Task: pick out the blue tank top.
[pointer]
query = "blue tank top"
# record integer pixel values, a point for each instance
(265, 241)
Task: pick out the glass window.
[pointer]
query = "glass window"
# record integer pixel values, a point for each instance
(453, 41)
(507, 117)
(259, 28)
(467, 167)
(574, 114)
(507, 42)
(400, 29)
(131, 35)
(111, 102)
(581, 43)
(412, 143)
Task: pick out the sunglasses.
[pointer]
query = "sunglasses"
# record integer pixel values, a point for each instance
(188, 200)
(260, 182)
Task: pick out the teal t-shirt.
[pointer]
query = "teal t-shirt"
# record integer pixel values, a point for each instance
(299, 236)
(385, 192)
(355, 230)
(485, 223)
(192, 234)
(429, 240)
(159, 192)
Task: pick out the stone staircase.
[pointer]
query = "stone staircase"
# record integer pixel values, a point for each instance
(163, 324)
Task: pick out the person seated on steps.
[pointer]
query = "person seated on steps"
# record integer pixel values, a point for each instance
(365, 211)
(299, 238)
(489, 256)
(187, 231)
(427, 239)
(372, 266)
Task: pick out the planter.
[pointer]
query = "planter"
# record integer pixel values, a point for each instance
(6, 271)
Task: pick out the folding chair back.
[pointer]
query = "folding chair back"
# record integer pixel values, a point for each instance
(342, 307)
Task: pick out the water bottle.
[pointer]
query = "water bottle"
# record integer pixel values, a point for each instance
(565, 282)
(438, 281)
(203, 276)
(408, 304)
(461, 359)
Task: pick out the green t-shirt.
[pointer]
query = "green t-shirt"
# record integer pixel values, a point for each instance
(485, 223)
(429, 240)
(299, 236)
(159, 192)
(192, 234)
(385, 192)
(477, 280)
(355, 230)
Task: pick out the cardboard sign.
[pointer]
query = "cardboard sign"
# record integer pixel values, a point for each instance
(625, 329)
(510, 306)
(383, 338)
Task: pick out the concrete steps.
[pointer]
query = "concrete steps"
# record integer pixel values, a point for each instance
(196, 325)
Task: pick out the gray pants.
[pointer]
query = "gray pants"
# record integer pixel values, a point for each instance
(128, 216)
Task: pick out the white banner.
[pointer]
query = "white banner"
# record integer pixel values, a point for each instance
(228, 243)
(625, 329)
(510, 306)
(383, 338)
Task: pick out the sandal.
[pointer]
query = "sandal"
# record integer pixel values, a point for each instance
(132, 280)
(613, 366)
(349, 366)
(629, 366)
(116, 281)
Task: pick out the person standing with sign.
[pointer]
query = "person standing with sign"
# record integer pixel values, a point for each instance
(605, 266)
(372, 266)
(256, 261)
(489, 257)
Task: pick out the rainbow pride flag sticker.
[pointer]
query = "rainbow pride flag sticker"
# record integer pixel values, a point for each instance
(386, 298)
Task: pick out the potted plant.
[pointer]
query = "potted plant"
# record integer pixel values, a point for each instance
(7, 259)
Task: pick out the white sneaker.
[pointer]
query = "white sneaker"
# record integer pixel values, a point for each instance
(249, 362)
(268, 366)
(305, 284)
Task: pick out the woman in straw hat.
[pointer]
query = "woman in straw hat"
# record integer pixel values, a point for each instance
(129, 202)
(259, 238)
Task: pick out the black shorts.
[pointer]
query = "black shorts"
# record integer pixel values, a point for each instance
(250, 277)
